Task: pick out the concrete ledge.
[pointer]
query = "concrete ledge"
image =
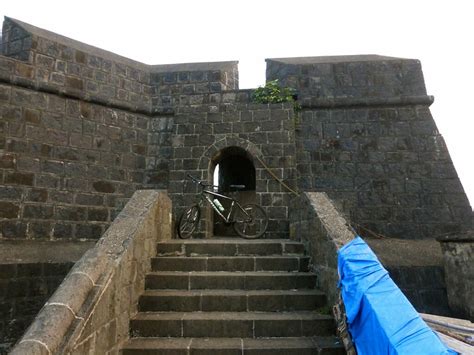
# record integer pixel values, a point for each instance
(204, 66)
(315, 221)
(40, 251)
(312, 102)
(92, 307)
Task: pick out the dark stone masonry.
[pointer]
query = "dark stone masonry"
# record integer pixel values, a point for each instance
(82, 129)
(24, 288)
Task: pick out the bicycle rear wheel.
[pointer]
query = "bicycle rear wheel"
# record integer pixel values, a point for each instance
(251, 224)
(188, 222)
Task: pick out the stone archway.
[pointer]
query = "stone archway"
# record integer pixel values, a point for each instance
(236, 157)
(235, 169)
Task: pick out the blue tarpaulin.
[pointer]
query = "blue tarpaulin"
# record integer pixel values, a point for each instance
(381, 320)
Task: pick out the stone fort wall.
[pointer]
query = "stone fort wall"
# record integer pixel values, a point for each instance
(83, 128)
(366, 137)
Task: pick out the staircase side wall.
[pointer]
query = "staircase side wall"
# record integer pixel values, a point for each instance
(90, 311)
(315, 221)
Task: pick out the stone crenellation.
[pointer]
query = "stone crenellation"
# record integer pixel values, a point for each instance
(186, 84)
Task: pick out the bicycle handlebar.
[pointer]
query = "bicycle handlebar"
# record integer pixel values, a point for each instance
(193, 178)
(196, 181)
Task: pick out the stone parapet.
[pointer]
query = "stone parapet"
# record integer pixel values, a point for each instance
(356, 76)
(315, 221)
(91, 309)
(58, 64)
(191, 83)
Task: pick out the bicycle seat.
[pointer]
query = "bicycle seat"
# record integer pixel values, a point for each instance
(237, 187)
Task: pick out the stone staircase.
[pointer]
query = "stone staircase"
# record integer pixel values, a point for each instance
(231, 296)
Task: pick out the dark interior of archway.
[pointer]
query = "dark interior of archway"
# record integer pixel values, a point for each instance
(235, 168)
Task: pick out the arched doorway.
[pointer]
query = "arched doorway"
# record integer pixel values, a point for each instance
(233, 166)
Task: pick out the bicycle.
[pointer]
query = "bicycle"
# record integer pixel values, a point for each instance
(249, 221)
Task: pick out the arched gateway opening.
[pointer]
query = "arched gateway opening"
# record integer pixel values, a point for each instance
(231, 167)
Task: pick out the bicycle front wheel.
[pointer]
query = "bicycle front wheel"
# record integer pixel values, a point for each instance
(251, 222)
(188, 222)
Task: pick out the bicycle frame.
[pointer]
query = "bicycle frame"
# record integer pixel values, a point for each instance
(205, 195)
(249, 222)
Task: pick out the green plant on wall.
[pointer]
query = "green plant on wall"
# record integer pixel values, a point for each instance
(273, 93)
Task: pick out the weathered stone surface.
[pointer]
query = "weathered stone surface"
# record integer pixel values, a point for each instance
(241, 304)
(82, 129)
(315, 221)
(94, 289)
(458, 251)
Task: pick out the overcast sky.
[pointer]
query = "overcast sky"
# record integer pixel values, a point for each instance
(439, 33)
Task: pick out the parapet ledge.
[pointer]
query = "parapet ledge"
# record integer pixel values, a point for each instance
(335, 59)
(69, 42)
(157, 68)
(201, 66)
(467, 237)
(353, 80)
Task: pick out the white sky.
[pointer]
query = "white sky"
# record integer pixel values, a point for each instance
(437, 32)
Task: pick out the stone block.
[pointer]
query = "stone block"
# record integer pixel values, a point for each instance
(55, 320)
(13, 229)
(74, 82)
(219, 281)
(156, 328)
(228, 328)
(223, 303)
(104, 186)
(89, 231)
(30, 348)
(230, 264)
(97, 214)
(73, 292)
(40, 230)
(68, 213)
(169, 281)
(9, 210)
(24, 70)
(19, 178)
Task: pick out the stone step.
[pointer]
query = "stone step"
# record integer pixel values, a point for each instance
(230, 300)
(234, 346)
(231, 263)
(231, 324)
(260, 280)
(229, 247)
